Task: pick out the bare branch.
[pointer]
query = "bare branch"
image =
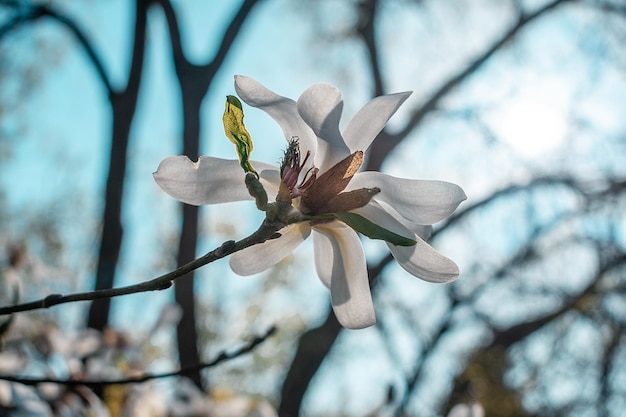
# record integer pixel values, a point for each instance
(207, 71)
(34, 12)
(265, 232)
(367, 30)
(454, 81)
(231, 33)
(313, 347)
(511, 189)
(503, 339)
(381, 148)
(222, 357)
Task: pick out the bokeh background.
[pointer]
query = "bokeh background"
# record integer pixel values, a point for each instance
(522, 103)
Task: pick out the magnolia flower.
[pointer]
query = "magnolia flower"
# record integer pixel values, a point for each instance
(319, 177)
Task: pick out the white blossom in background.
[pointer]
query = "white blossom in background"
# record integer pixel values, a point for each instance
(55, 353)
(467, 410)
(319, 176)
(42, 350)
(189, 401)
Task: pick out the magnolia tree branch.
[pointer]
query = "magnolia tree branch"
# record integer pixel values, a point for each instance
(268, 230)
(222, 357)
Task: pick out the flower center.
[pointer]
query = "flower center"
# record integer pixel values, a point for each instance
(323, 194)
(291, 168)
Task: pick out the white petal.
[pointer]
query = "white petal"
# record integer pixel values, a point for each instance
(282, 109)
(342, 262)
(328, 155)
(371, 119)
(208, 181)
(424, 262)
(423, 231)
(322, 252)
(260, 257)
(420, 201)
(320, 106)
(393, 221)
(385, 218)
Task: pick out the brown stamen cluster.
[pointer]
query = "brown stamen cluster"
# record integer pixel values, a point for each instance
(323, 194)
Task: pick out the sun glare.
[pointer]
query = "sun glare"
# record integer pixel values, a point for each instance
(531, 123)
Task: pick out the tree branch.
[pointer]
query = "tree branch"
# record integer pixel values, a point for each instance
(206, 71)
(267, 231)
(231, 33)
(35, 12)
(381, 147)
(505, 338)
(367, 29)
(222, 357)
(313, 346)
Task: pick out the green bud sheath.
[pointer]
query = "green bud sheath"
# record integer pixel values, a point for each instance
(236, 131)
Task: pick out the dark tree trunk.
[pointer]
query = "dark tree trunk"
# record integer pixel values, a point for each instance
(186, 333)
(194, 81)
(313, 347)
(123, 105)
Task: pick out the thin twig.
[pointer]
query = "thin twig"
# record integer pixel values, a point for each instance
(222, 357)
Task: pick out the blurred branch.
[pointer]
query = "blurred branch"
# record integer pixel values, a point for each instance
(589, 191)
(473, 66)
(231, 33)
(204, 73)
(313, 346)
(607, 6)
(380, 148)
(611, 352)
(265, 232)
(504, 338)
(31, 12)
(367, 29)
(511, 189)
(222, 357)
(316, 343)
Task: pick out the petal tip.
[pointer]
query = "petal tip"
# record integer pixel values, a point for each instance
(357, 322)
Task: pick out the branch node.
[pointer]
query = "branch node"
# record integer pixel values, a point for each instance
(51, 300)
(225, 248)
(164, 286)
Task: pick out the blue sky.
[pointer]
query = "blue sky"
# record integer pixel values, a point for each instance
(61, 158)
